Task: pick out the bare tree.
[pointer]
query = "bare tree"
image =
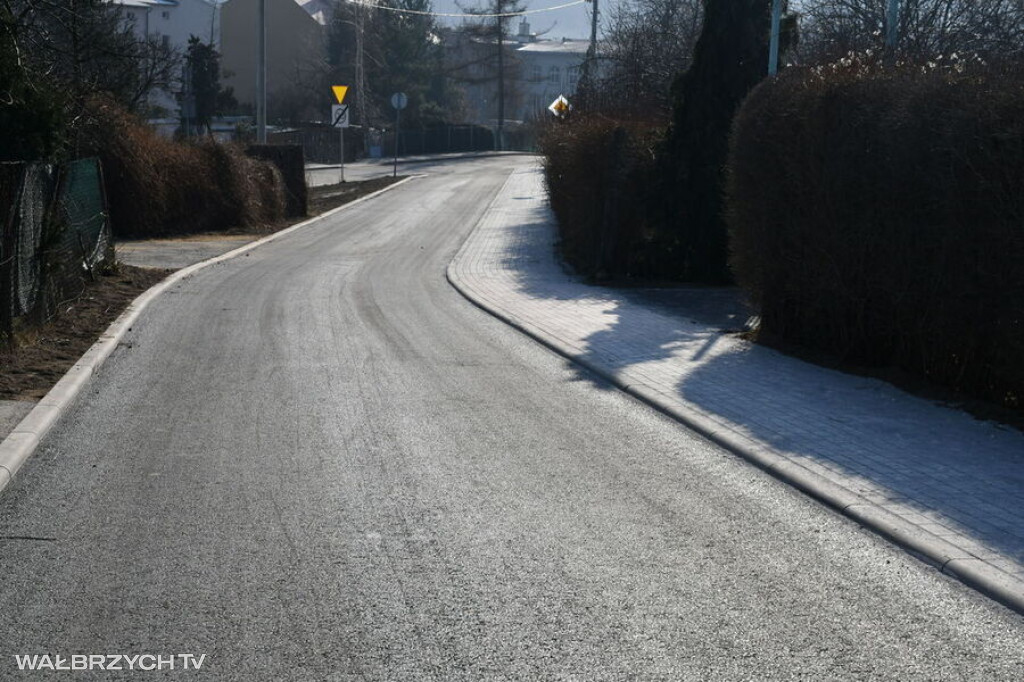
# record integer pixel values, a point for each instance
(87, 47)
(927, 29)
(385, 47)
(57, 54)
(647, 44)
(493, 28)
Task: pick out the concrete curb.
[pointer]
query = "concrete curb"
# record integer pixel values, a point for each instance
(967, 568)
(22, 442)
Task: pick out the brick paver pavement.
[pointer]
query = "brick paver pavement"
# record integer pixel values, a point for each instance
(910, 468)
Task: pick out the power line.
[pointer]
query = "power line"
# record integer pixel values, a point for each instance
(468, 14)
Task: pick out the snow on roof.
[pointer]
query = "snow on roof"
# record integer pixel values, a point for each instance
(144, 3)
(320, 10)
(566, 45)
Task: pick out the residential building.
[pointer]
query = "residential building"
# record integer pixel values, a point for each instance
(296, 46)
(537, 71)
(549, 68)
(173, 22)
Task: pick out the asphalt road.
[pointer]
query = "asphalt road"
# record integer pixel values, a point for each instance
(318, 462)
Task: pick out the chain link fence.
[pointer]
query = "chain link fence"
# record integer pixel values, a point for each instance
(55, 235)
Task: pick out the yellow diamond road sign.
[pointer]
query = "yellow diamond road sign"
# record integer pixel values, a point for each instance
(560, 107)
(339, 92)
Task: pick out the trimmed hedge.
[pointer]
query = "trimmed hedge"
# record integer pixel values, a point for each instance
(158, 187)
(879, 217)
(598, 176)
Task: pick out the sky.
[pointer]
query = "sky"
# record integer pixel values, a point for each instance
(571, 22)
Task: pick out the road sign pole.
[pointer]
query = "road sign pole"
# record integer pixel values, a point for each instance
(398, 101)
(398, 124)
(339, 118)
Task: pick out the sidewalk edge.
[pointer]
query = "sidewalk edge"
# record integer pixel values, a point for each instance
(22, 442)
(970, 570)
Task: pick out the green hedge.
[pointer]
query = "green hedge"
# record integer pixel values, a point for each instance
(879, 217)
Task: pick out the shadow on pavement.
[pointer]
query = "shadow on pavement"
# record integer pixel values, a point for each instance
(956, 473)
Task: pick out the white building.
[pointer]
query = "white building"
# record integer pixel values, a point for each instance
(173, 22)
(296, 47)
(537, 71)
(548, 68)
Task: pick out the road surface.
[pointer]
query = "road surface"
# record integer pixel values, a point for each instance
(318, 462)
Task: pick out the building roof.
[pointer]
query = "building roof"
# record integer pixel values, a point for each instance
(144, 3)
(565, 45)
(320, 10)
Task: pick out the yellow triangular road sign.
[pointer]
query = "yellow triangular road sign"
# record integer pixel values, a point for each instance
(339, 92)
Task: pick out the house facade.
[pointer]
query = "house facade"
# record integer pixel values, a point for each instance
(537, 71)
(296, 46)
(172, 23)
(548, 68)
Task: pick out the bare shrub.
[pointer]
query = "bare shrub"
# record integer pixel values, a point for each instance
(598, 176)
(157, 186)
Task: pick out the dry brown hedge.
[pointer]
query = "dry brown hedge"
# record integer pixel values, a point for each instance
(158, 187)
(598, 174)
(879, 216)
(291, 161)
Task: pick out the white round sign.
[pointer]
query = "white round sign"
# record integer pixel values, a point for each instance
(399, 100)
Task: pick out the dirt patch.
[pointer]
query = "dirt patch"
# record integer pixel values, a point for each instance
(326, 197)
(44, 354)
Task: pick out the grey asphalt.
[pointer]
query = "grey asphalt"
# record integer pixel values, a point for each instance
(318, 461)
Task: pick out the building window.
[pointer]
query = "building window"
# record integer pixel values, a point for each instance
(131, 16)
(535, 73)
(165, 41)
(165, 15)
(554, 74)
(574, 74)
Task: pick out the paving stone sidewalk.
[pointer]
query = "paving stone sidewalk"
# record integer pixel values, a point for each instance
(931, 477)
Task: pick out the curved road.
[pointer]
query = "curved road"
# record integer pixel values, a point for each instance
(318, 462)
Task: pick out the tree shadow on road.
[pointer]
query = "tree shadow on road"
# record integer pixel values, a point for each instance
(951, 470)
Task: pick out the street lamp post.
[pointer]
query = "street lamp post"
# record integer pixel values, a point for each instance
(499, 142)
(261, 73)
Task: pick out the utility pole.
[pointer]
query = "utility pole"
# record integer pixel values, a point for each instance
(891, 20)
(500, 142)
(360, 78)
(261, 73)
(398, 132)
(587, 72)
(773, 48)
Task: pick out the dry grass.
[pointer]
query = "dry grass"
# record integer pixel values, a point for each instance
(158, 187)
